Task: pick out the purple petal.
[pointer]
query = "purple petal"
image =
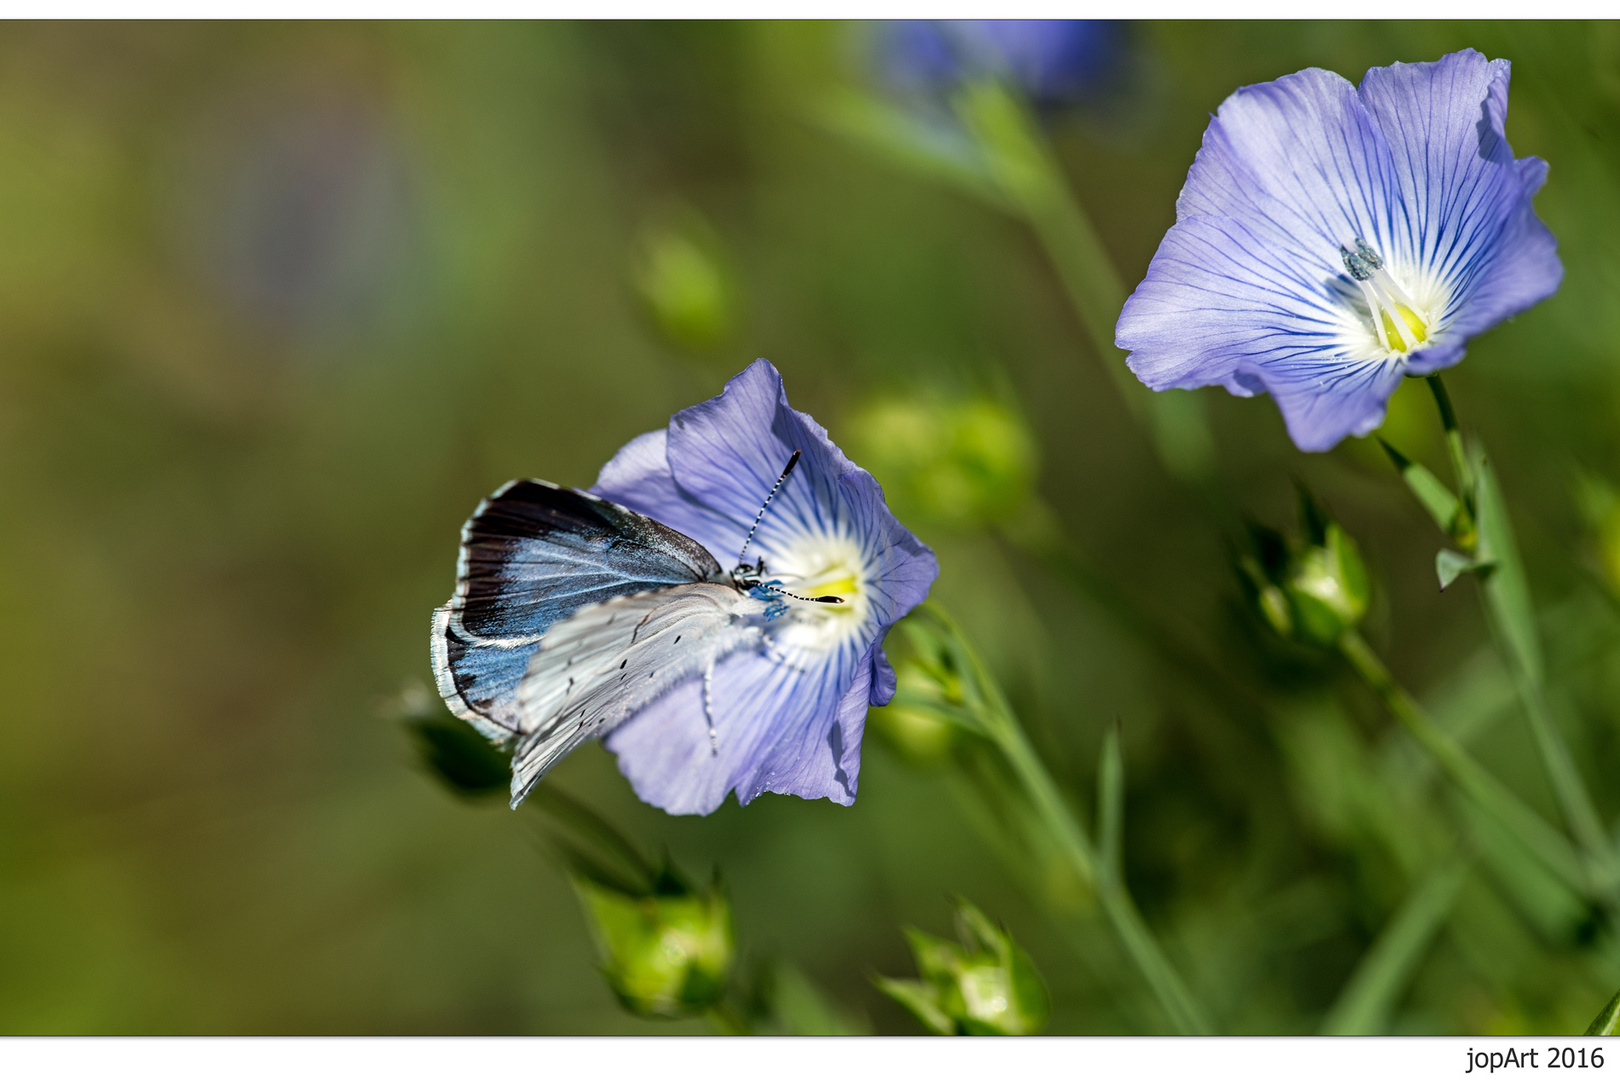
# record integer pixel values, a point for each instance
(1323, 402)
(638, 477)
(784, 724)
(1465, 201)
(1223, 298)
(1248, 290)
(884, 680)
(774, 731)
(727, 453)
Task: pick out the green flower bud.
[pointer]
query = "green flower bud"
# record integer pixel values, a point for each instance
(1327, 589)
(929, 717)
(679, 276)
(986, 985)
(1312, 589)
(668, 954)
(961, 463)
(913, 724)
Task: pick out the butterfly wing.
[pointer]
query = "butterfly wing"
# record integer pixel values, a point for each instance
(532, 555)
(609, 660)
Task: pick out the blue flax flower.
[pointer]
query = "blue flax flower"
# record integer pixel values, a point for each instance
(1332, 239)
(787, 715)
(1054, 61)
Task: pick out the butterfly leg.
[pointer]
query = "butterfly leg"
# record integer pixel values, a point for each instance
(708, 708)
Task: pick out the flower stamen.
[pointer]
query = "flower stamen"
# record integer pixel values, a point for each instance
(1399, 322)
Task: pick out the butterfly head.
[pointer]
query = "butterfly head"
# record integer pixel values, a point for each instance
(753, 576)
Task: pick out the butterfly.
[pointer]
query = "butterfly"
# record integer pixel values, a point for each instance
(572, 613)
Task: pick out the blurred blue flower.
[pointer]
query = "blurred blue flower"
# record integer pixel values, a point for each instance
(1054, 61)
(300, 204)
(788, 717)
(1332, 239)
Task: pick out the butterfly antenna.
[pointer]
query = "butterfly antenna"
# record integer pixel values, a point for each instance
(810, 599)
(749, 539)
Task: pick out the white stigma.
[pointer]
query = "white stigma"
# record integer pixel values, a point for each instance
(1401, 323)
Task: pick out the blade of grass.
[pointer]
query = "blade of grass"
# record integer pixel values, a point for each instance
(1374, 988)
(1020, 159)
(1607, 1021)
(1439, 500)
(1508, 607)
(1487, 792)
(1505, 592)
(1001, 726)
(1110, 801)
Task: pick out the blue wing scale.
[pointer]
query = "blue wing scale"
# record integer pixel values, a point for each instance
(532, 555)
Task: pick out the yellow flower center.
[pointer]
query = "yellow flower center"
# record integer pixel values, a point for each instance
(815, 565)
(1401, 323)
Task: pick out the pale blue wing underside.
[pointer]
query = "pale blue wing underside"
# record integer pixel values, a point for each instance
(610, 660)
(531, 556)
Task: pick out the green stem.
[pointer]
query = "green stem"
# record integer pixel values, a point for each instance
(1024, 169)
(1021, 162)
(1116, 900)
(1001, 727)
(1487, 792)
(1573, 798)
(1373, 989)
(1454, 442)
(1505, 593)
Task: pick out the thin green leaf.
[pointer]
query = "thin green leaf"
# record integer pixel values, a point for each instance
(1376, 985)
(1506, 594)
(1110, 801)
(937, 153)
(1608, 1021)
(1033, 185)
(1507, 591)
(975, 930)
(1450, 565)
(920, 1000)
(933, 956)
(1439, 500)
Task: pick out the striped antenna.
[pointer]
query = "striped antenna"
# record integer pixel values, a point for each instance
(810, 599)
(792, 461)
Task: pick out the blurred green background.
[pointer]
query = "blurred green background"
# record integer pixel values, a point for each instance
(280, 303)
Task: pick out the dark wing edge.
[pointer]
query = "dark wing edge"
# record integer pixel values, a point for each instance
(448, 631)
(444, 675)
(517, 512)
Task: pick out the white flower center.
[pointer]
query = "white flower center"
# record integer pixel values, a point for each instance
(1399, 319)
(818, 565)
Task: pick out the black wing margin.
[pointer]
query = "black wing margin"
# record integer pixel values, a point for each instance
(532, 554)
